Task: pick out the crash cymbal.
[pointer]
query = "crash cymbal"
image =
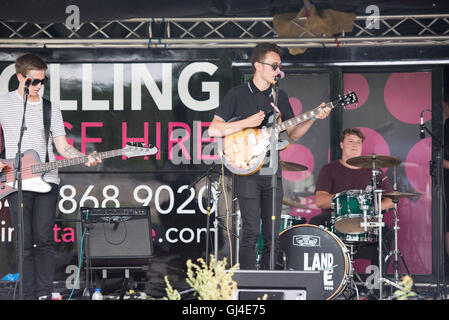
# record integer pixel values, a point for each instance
(292, 203)
(395, 195)
(379, 161)
(292, 166)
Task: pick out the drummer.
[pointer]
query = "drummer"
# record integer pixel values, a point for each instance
(339, 176)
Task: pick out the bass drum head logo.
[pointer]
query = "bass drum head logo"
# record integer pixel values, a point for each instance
(306, 241)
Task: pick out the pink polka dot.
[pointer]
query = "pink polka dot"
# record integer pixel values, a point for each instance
(361, 265)
(296, 105)
(299, 154)
(357, 83)
(406, 94)
(374, 143)
(415, 234)
(417, 166)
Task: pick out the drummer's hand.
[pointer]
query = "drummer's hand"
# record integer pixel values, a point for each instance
(2, 165)
(324, 111)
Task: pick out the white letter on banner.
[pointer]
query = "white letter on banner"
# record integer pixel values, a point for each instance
(88, 103)
(162, 98)
(55, 91)
(212, 87)
(5, 77)
(118, 86)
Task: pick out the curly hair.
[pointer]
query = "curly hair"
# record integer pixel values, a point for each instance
(353, 131)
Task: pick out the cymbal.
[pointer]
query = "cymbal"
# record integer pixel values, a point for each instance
(292, 203)
(292, 166)
(379, 161)
(395, 195)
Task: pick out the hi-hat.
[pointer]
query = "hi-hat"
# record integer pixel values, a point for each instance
(292, 203)
(292, 166)
(396, 195)
(378, 161)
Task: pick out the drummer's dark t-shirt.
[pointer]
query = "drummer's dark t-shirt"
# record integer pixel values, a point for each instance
(335, 178)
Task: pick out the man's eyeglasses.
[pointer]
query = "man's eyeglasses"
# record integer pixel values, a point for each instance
(274, 66)
(36, 82)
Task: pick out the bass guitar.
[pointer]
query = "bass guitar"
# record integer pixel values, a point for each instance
(33, 169)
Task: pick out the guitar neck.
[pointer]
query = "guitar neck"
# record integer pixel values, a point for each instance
(47, 166)
(301, 118)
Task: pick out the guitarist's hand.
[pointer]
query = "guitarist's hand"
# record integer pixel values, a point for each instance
(2, 165)
(255, 120)
(324, 111)
(93, 160)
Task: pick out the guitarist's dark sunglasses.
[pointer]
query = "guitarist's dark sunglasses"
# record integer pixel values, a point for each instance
(36, 82)
(274, 66)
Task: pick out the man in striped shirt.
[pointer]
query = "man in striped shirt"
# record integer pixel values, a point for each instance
(39, 209)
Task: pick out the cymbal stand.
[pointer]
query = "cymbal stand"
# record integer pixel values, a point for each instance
(396, 253)
(379, 224)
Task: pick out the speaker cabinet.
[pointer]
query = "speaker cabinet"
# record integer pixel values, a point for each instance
(278, 285)
(117, 237)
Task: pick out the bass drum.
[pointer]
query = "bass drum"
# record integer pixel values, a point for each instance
(310, 248)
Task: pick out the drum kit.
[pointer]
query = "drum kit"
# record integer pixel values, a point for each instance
(356, 219)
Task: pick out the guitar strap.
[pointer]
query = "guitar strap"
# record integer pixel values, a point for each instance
(47, 123)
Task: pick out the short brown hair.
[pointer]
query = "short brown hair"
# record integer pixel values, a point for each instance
(353, 131)
(262, 49)
(27, 62)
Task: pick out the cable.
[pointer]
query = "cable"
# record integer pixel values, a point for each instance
(227, 212)
(80, 260)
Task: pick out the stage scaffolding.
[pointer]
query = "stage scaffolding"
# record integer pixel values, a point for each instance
(223, 32)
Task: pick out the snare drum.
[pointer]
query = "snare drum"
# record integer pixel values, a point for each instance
(348, 211)
(370, 236)
(308, 247)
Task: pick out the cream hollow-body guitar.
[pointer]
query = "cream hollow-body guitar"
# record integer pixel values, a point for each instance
(33, 169)
(244, 152)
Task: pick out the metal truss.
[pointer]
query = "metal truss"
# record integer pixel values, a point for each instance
(395, 30)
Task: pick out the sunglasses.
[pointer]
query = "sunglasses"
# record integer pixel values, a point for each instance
(36, 82)
(274, 66)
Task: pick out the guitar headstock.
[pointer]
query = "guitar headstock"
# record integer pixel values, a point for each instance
(348, 99)
(137, 149)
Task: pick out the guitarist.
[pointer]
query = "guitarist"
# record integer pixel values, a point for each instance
(39, 209)
(251, 102)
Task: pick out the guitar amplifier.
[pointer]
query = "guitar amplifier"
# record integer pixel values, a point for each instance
(278, 284)
(117, 237)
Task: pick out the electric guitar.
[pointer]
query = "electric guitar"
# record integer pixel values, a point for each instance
(33, 169)
(244, 152)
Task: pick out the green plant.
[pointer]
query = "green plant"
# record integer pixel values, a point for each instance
(210, 282)
(407, 284)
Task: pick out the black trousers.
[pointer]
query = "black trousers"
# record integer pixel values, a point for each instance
(39, 213)
(255, 194)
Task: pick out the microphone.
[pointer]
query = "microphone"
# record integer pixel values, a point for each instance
(279, 76)
(28, 81)
(421, 126)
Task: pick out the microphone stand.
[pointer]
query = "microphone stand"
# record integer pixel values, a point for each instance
(18, 178)
(436, 171)
(208, 175)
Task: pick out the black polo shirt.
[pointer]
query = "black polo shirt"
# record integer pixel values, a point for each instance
(245, 100)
